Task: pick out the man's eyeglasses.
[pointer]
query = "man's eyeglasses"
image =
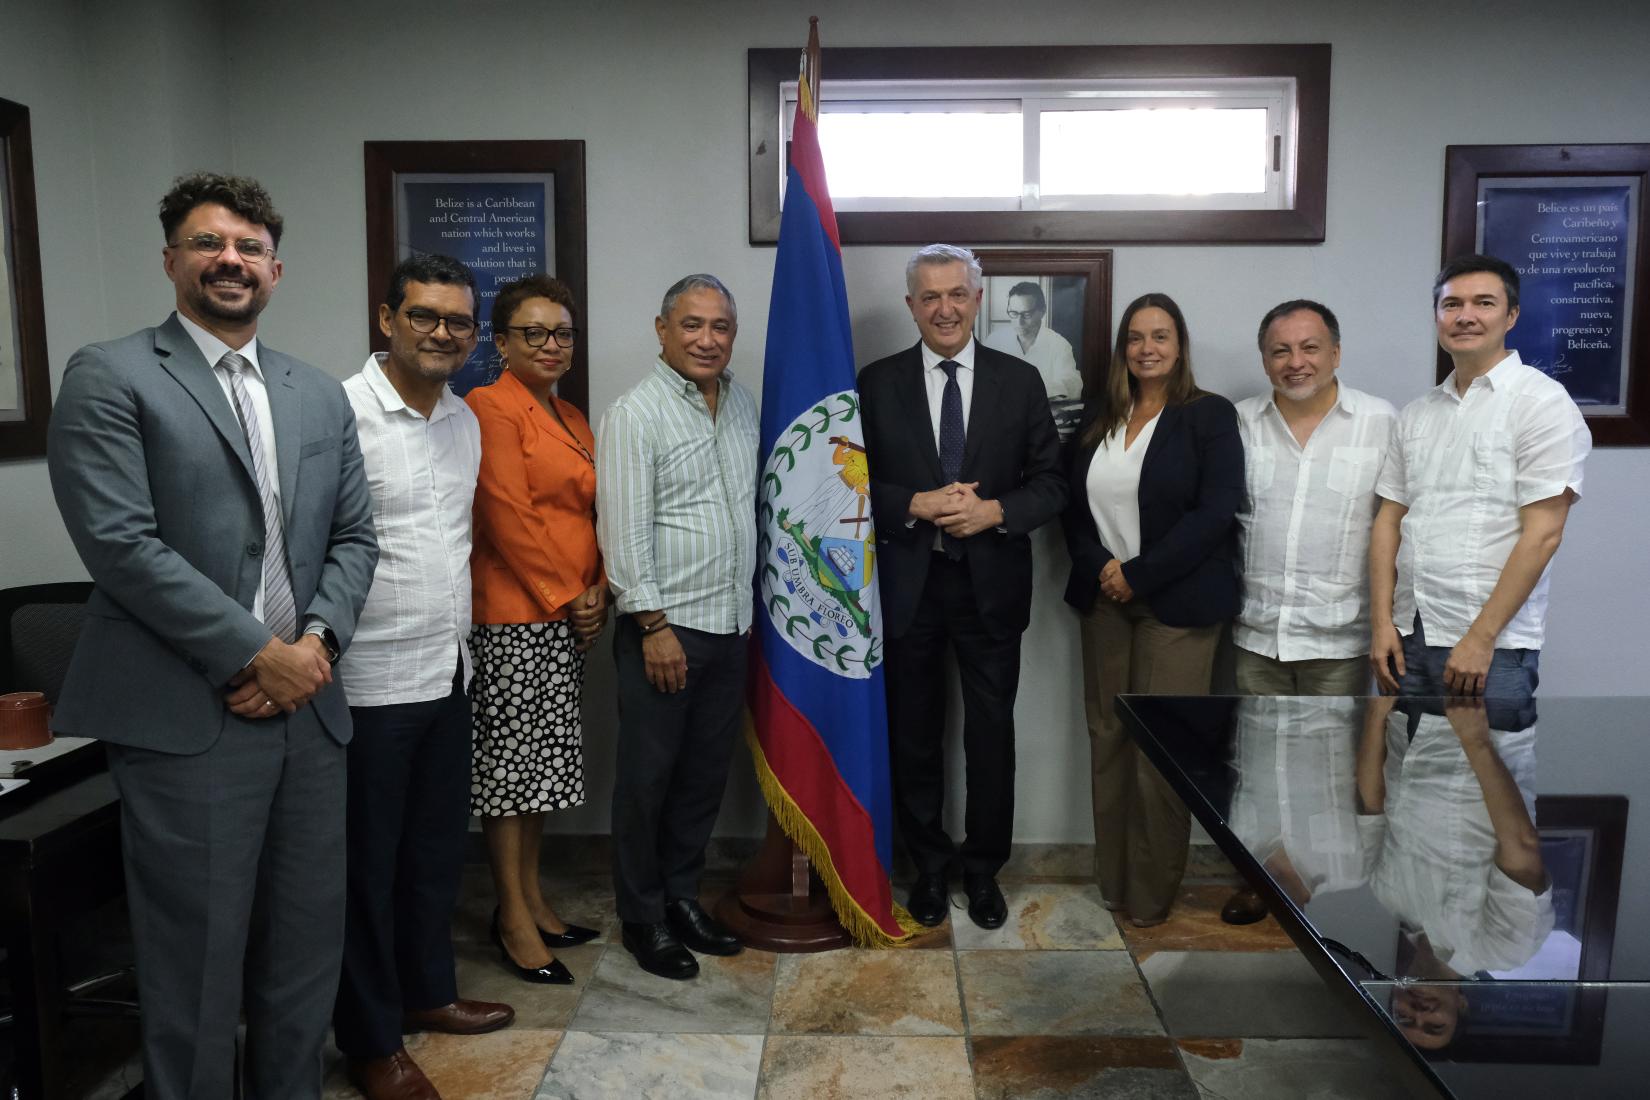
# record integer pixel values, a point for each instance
(1022, 314)
(250, 249)
(536, 336)
(425, 321)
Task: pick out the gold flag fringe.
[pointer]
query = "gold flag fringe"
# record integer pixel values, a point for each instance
(859, 924)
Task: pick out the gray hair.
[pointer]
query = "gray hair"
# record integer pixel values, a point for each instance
(938, 254)
(688, 283)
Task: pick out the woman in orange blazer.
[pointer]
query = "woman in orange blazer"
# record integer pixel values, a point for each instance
(540, 599)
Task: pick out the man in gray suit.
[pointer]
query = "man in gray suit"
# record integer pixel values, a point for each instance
(214, 490)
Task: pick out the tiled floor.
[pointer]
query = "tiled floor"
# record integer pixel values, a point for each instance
(1059, 1002)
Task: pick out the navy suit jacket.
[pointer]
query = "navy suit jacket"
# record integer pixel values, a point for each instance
(1012, 450)
(1191, 487)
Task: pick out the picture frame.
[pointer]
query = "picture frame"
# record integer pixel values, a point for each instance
(1069, 331)
(25, 375)
(506, 208)
(1571, 219)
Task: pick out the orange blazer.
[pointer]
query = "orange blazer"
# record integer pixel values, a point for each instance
(535, 509)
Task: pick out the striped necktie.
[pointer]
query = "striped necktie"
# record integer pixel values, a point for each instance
(280, 610)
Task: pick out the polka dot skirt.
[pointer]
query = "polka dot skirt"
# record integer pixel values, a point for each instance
(527, 755)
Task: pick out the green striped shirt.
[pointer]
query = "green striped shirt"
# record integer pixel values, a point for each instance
(676, 501)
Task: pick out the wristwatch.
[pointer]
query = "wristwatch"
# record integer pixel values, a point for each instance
(329, 642)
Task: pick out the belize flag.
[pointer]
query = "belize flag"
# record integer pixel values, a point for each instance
(819, 726)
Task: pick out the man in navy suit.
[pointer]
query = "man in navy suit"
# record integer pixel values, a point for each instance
(214, 490)
(964, 465)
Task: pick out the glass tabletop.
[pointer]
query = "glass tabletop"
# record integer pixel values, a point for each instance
(1513, 1039)
(1483, 846)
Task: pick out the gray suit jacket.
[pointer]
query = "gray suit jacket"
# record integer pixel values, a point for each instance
(152, 475)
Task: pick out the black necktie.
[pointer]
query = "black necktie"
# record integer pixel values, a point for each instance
(952, 437)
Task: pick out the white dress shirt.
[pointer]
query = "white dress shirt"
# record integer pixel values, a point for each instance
(1303, 532)
(1113, 486)
(214, 349)
(422, 474)
(1049, 352)
(1464, 466)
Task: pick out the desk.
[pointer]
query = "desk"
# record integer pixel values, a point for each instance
(1476, 879)
(59, 855)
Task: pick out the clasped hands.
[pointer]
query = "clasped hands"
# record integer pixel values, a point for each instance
(281, 678)
(956, 509)
(1113, 585)
(589, 615)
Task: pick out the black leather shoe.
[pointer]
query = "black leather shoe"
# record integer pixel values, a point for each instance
(554, 972)
(928, 902)
(575, 934)
(698, 930)
(986, 906)
(1244, 907)
(659, 952)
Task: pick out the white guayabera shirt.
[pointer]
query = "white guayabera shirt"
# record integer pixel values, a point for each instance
(1303, 532)
(422, 474)
(1464, 466)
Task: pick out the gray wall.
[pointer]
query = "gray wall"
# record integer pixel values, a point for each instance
(123, 100)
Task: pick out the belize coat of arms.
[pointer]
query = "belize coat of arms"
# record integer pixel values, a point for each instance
(816, 542)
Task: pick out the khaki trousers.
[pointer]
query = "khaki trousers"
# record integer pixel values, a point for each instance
(1261, 675)
(1141, 827)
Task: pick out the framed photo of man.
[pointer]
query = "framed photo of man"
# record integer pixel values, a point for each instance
(505, 208)
(1570, 219)
(25, 381)
(1053, 309)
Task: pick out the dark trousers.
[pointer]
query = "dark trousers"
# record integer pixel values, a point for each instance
(674, 752)
(989, 667)
(409, 810)
(235, 882)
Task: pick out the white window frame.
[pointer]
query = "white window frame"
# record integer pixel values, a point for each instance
(1290, 82)
(1029, 99)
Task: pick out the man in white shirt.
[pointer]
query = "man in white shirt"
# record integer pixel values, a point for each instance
(1026, 337)
(1312, 450)
(405, 677)
(1475, 490)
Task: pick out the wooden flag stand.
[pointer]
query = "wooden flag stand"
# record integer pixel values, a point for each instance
(779, 903)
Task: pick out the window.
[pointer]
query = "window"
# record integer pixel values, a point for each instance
(1136, 143)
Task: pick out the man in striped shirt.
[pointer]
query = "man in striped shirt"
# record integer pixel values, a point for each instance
(676, 470)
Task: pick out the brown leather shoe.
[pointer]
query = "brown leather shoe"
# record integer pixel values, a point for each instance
(394, 1078)
(460, 1018)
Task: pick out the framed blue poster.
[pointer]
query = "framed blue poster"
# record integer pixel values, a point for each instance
(505, 208)
(1571, 220)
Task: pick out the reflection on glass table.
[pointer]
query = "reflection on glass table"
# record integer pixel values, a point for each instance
(1472, 860)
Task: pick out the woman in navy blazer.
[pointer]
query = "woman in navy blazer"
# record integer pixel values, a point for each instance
(1156, 474)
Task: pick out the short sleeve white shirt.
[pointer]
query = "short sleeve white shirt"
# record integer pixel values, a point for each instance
(1464, 466)
(422, 474)
(1303, 531)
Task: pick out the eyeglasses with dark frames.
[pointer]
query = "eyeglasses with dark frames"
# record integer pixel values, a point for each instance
(536, 336)
(427, 321)
(250, 249)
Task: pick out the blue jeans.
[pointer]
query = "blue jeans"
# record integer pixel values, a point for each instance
(1513, 675)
